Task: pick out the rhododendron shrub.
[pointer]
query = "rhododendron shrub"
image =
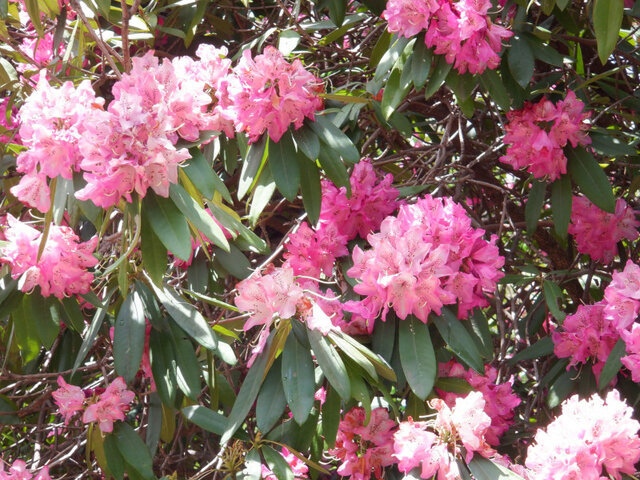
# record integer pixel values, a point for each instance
(288, 239)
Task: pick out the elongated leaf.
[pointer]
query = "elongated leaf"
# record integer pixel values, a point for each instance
(613, 365)
(271, 400)
(331, 416)
(485, 469)
(335, 139)
(360, 394)
(277, 464)
(198, 216)
(479, 325)
(420, 64)
(561, 198)
(334, 168)
(394, 92)
(591, 179)
(384, 336)
(163, 365)
(203, 177)
(494, 85)
(251, 166)
(188, 368)
(521, 62)
(284, 166)
(353, 354)
(74, 317)
(553, 293)
(417, 356)
(539, 349)
(307, 142)
(91, 332)
(459, 340)
(154, 253)
(133, 450)
(311, 188)
(234, 262)
(262, 193)
(168, 224)
(211, 421)
(607, 19)
(535, 203)
(331, 364)
(115, 460)
(186, 315)
(298, 379)
(440, 71)
(380, 365)
(128, 337)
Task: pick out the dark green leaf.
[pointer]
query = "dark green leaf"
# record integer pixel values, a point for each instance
(541, 348)
(168, 224)
(284, 166)
(262, 193)
(479, 325)
(209, 420)
(384, 335)
(459, 340)
(163, 365)
(331, 416)
(234, 262)
(553, 293)
(440, 71)
(133, 449)
(335, 139)
(334, 168)
(115, 460)
(188, 368)
(311, 188)
(154, 253)
(535, 203)
(154, 423)
(485, 469)
(90, 336)
(561, 198)
(128, 337)
(251, 166)
(298, 379)
(613, 365)
(607, 19)
(521, 62)
(277, 464)
(608, 145)
(307, 142)
(417, 356)
(203, 177)
(271, 400)
(7, 408)
(454, 385)
(494, 85)
(352, 353)
(591, 179)
(420, 63)
(331, 364)
(360, 394)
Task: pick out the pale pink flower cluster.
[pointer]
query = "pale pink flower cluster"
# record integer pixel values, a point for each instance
(364, 450)
(500, 401)
(592, 332)
(298, 467)
(40, 50)
(52, 123)
(62, 267)
(19, 471)
(588, 437)
(104, 409)
(461, 30)
(426, 257)
(267, 93)
(597, 232)
(8, 125)
(457, 432)
(538, 133)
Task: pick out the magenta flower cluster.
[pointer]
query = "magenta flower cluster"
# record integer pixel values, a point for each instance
(597, 232)
(460, 30)
(18, 471)
(538, 132)
(426, 257)
(62, 267)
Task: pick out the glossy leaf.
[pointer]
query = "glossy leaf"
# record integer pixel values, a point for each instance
(521, 62)
(535, 203)
(169, 224)
(133, 450)
(459, 340)
(417, 356)
(591, 179)
(154, 253)
(284, 166)
(271, 400)
(298, 379)
(612, 365)
(331, 364)
(607, 19)
(561, 199)
(128, 337)
(335, 139)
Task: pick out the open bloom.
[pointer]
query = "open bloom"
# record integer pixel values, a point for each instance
(19, 471)
(111, 406)
(69, 399)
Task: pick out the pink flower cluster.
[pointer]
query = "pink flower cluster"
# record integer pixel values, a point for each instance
(461, 30)
(538, 133)
(104, 409)
(19, 471)
(298, 467)
(426, 257)
(592, 332)
(311, 252)
(589, 436)
(364, 450)
(500, 401)
(436, 452)
(52, 122)
(267, 93)
(61, 270)
(597, 232)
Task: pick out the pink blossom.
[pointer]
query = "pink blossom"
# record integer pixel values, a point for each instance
(298, 467)
(313, 252)
(409, 17)
(632, 359)
(538, 133)
(364, 450)
(62, 267)
(267, 93)
(589, 436)
(597, 232)
(110, 406)
(426, 257)
(69, 399)
(622, 297)
(19, 471)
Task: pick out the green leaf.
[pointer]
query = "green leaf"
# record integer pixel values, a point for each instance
(398, 85)
(271, 400)
(163, 365)
(521, 62)
(154, 253)
(553, 293)
(360, 394)
(209, 420)
(440, 71)
(234, 262)
(607, 20)
(535, 203)
(284, 166)
(198, 216)
(420, 63)
(330, 363)
(484, 469)
(168, 224)
(331, 416)
(253, 162)
(25, 331)
(7, 408)
(203, 177)
(34, 15)
(479, 325)
(459, 340)
(188, 368)
(128, 337)
(335, 169)
(494, 85)
(335, 139)
(288, 41)
(115, 460)
(247, 394)
(298, 379)
(384, 336)
(561, 198)
(417, 356)
(74, 317)
(307, 142)
(262, 193)
(277, 464)
(612, 365)
(311, 188)
(454, 385)
(92, 331)
(352, 353)
(608, 145)
(133, 450)
(187, 316)
(591, 179)
(539, 349)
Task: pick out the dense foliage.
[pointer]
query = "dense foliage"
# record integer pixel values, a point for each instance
(310, 239)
